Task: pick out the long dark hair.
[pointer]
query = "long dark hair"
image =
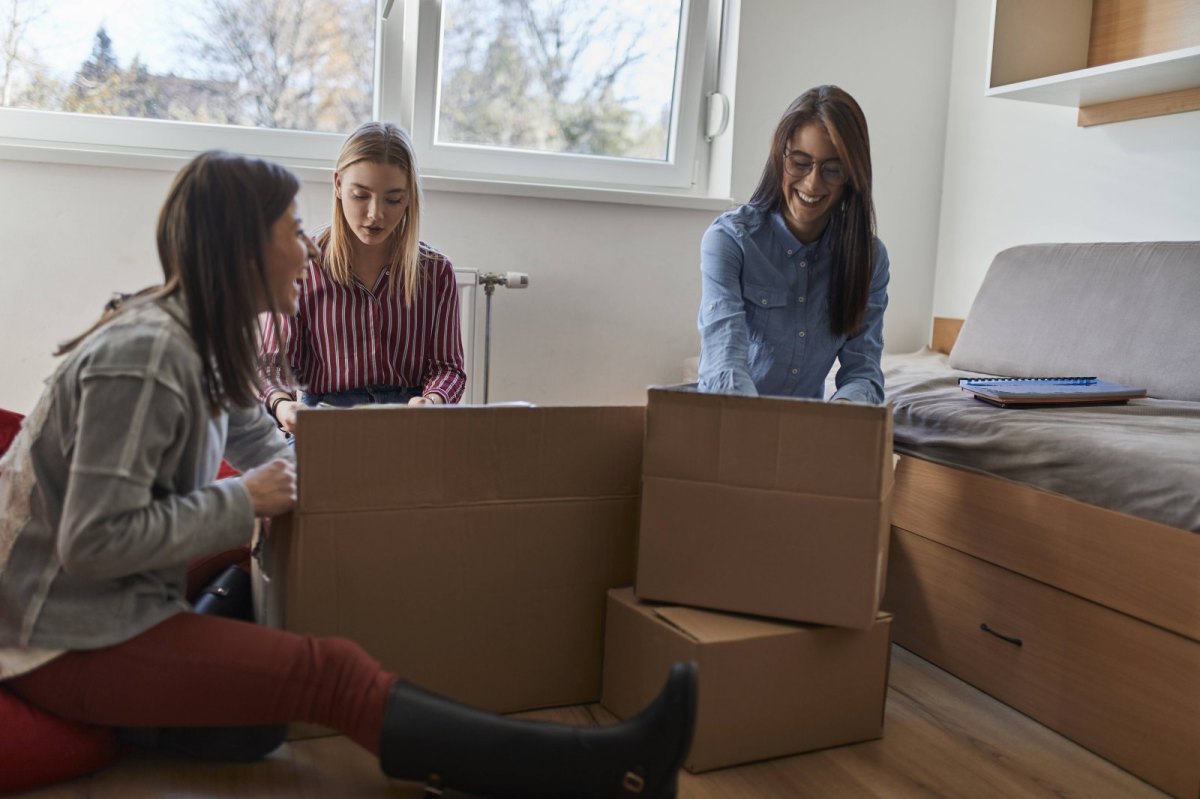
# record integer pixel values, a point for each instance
(854, 221)
(213, 232)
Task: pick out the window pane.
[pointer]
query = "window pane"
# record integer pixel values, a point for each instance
(568, 76)
(294, 64)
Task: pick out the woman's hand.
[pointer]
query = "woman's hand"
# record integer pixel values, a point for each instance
(428, 399)
(272, 487)
(285, 414)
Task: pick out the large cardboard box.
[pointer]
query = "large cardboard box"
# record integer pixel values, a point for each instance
(469, 549)
(767, 688)
(769, 506)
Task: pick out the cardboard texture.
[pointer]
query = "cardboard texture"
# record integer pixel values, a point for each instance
(769, 506)
(468, 549)
(767, 689)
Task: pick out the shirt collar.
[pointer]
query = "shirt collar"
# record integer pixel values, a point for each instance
(824, 244)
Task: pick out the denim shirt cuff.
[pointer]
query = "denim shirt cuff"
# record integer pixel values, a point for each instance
(728, 381)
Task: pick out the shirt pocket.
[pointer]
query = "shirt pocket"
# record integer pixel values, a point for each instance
(766, 307)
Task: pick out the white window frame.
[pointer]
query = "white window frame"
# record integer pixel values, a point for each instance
(406, 54)
(680, 170)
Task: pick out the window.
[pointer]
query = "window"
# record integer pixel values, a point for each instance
(561, 90)
(549, 91)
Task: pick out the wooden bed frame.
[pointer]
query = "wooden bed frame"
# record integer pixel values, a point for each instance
(1083, 618)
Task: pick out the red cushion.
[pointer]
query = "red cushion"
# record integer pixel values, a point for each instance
(37, 748)
(10, 424)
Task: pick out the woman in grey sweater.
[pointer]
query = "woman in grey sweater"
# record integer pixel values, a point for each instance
(109, 492)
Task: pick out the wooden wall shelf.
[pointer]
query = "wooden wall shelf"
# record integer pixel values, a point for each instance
(1135, 58)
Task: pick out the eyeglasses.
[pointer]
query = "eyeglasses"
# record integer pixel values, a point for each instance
(799, 166)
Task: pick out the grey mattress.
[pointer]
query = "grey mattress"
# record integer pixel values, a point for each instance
(1142, 458)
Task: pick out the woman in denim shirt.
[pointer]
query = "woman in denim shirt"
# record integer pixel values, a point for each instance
(796, 278)
(109, 492)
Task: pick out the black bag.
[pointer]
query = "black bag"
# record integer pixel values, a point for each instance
(229, 595)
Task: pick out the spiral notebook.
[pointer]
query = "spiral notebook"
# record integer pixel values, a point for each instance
(1026, 391)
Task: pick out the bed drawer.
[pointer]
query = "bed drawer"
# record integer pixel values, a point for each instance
(1139, 567)
(1125, 689)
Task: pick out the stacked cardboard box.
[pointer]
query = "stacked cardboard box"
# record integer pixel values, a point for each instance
(772, 507)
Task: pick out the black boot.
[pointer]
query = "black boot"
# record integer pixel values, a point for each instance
(432, 739)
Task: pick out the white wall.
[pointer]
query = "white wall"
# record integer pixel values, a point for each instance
(1019, 172)
(894, 59)
(614, 288)
(610, 309)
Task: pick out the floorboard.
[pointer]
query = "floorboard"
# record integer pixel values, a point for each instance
(942, 738)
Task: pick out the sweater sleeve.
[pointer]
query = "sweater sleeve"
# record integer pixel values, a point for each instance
(121, 513)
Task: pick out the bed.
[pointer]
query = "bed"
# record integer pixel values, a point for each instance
(1051, 556)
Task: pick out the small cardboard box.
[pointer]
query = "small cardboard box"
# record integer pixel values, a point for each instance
(468, 549)
(767, 688)
(768, 506)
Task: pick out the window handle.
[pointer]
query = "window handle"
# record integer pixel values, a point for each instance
(718, 115)
(387, 9)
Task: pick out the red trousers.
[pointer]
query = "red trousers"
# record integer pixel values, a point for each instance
(201, 671)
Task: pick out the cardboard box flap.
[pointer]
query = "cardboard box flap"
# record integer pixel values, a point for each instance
(390, 457)
(707, 627)
(786, 444)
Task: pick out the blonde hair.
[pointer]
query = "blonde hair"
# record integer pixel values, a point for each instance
(378, 143)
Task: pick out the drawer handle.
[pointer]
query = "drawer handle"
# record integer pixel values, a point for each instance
(1009, 638)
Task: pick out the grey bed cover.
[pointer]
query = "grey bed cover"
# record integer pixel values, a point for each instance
(1142, 458)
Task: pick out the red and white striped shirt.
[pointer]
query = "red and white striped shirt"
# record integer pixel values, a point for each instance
(345, 337)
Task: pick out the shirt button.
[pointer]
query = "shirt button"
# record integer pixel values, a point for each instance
(803, 264)
(790, 252)
(764, 301)
(799, 299)
(795, 371)
(800, 334)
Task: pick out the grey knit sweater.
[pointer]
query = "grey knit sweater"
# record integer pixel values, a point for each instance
(108, 493)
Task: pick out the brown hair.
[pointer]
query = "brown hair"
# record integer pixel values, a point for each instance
(213, 231)
(378, 143)
(854, 221)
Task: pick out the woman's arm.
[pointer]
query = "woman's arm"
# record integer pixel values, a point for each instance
(860, 376)
(277, 393)
(253, 439)
(724, 340)
(120, 512)
(444, 380)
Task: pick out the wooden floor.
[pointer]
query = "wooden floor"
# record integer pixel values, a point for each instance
(941, 738)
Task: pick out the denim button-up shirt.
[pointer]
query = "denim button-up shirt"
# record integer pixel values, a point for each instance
(764, 313)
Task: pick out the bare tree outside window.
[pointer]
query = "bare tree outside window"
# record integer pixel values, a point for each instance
(570, 76)
(290, 64)
(295, 64)
(21, 67)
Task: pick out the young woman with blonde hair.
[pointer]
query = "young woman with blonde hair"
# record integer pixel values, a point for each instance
(378, 319)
